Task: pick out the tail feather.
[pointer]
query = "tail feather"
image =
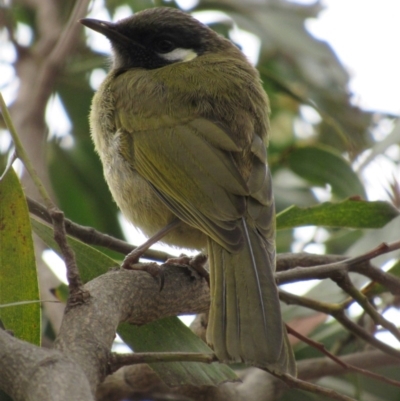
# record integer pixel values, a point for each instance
(217, 316)
(245, 322)
(233, 320)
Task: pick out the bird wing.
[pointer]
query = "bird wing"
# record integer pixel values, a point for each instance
(190, 165)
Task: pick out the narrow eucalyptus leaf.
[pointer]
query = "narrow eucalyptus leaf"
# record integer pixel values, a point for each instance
(18, 276)
(349, 213)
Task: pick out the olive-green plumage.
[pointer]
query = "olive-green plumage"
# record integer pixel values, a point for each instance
(181, 124)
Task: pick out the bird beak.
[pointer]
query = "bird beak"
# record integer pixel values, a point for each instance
(109, 30)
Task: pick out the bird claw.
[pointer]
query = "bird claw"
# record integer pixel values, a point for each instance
(197, 263)
(155, 270)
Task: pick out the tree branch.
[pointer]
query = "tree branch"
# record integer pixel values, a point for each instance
(88, 331)
(330, 269)
(30, 372)
(91, 236)
(299, 384)
(337, 311)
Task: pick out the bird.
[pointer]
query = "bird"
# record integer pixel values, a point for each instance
(181, 125)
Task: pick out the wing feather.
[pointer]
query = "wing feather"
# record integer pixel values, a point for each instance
(190, 166)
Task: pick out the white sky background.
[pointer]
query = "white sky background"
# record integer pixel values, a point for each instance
(364, 34)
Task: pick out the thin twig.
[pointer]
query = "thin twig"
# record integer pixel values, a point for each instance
(119, 360)
(289, 261)
(344, 282)
(321, 347)
(363, 334)
(327, 270)
(319, 306)
(379, 250)
(77, 292)
(392, 283)
(313, 388)
(90, 236)
(336, 311)
(317, 345)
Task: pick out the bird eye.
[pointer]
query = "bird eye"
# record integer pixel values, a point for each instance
(164, 46)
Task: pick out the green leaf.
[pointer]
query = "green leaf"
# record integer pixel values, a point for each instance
(349, 213)
(171, 335)
(166, 335)
(321, 165)
(18, 276)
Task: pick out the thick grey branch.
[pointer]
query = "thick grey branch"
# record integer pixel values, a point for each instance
(29, 372)
(88, 330)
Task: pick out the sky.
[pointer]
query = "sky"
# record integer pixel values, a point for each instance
(365, 36)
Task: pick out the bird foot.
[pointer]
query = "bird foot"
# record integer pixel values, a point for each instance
(197, 263)
(154, 269)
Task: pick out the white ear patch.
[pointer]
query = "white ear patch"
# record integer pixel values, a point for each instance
(179, 55)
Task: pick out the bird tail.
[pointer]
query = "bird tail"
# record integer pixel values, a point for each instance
(245, 323)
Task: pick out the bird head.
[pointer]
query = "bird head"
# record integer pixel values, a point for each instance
(157, 37)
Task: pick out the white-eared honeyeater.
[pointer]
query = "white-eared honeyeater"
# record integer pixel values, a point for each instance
(181, 127)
